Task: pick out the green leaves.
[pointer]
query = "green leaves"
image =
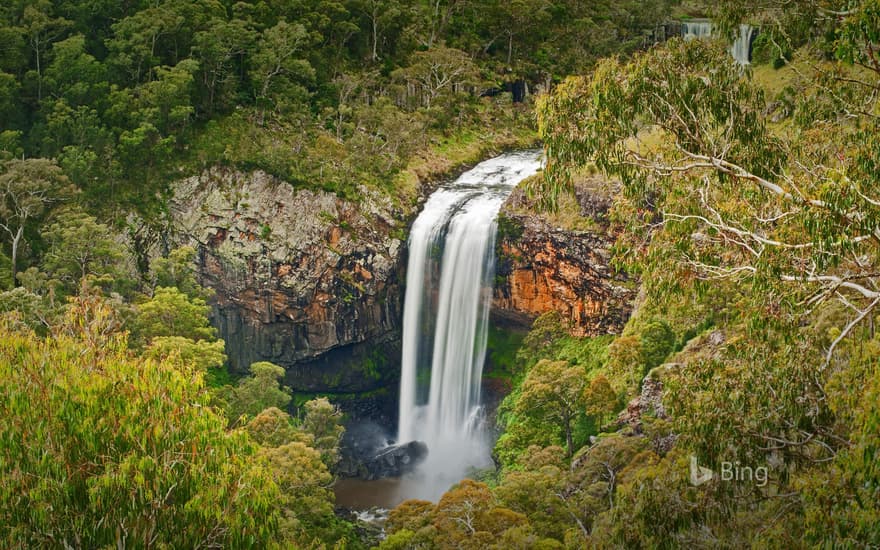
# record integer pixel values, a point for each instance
(254, 394)
(97, 445)
(172, 313)
(279, 70)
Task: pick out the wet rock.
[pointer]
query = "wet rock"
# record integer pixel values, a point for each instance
(390, 461)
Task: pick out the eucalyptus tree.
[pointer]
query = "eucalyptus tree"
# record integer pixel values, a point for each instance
(28, 189)
(130, 455)
(796, 214)
(777, 222)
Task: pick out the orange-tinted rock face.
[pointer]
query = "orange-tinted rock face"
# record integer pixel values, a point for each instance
(541, 268)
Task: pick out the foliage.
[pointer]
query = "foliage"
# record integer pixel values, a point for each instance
(105, 467)
(501, 348)
(297, 459)
(274, 427)
(78, 248)
(170, 312)
(202, 354)
(553, 392)
(28, 188)
(254, 394)
(657, 341)
(600, 399)
(176, 270)
(304, 482)
(323, 421)
(528, 422)
(625, 360)
(763, 230)
(436, 74)
(22, 307)
(467, 516)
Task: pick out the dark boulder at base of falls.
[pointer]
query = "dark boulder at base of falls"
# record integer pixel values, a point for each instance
(390, 461)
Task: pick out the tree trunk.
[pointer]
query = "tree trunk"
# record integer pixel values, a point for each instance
(16, 240)
(568, 439)
(375, 35)
(39, 75)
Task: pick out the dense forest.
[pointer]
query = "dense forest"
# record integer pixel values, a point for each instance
(744, 208)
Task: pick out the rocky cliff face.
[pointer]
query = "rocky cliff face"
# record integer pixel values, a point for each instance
(314, 283)
(543, 266)
(303, 278)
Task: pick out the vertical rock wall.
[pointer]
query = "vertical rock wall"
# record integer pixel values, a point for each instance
(543, 266)
(302, 278)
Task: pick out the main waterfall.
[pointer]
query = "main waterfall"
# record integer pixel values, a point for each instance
(448, 293)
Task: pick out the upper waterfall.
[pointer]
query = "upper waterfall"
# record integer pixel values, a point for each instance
(448, 293)
(741, 49)
(742, 46)
(696, 29)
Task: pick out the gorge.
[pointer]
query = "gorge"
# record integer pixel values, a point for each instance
(439, 274)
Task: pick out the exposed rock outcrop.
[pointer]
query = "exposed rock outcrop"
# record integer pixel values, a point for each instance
(392, 461)
(302, 278)
(367, 453)
(543, 267)
(649, 402)
(313, 282)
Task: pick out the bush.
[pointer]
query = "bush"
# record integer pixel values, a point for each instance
(99, 448)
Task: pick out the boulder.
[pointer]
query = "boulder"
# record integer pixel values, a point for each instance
(390, 461)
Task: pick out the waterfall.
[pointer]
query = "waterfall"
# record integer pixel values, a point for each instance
(741, 50)
(742, 46)
(691, 30)
(448, 292)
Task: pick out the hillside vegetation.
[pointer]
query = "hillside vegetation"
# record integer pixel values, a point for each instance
(748, 206)
(745, 201)
(121, 426)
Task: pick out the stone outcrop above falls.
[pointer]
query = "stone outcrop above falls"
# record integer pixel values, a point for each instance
(544, 264)
(302, 278)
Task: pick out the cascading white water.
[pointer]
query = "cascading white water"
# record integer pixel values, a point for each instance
(446, 308)
(741, 49)
(691, 30)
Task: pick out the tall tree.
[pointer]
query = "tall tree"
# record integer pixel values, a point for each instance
(256, 393)
(796, 214)
(279, 69)
(130, 454)
(81, 247)
(553, 392)
(42, 29)
(381, 16)
(323, 421)
(170, 312)
(28, 188)
(220, 49)
(437, 73)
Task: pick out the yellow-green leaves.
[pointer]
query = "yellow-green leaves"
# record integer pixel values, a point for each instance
(98, 446)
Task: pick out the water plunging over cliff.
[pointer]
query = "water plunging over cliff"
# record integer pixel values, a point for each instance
(742, 46)
(448, 292)
(691, 30)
